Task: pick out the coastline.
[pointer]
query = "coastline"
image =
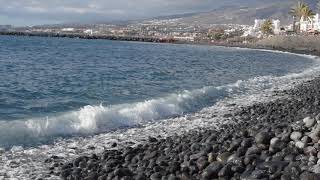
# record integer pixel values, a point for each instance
(277, 140)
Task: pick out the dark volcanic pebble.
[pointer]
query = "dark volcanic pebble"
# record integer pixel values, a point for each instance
(275, 140)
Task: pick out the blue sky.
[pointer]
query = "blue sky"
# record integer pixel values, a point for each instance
(32, 12)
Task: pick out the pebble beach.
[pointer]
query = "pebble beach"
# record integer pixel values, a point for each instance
(273, 140)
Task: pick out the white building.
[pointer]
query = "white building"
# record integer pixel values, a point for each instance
(67, 29)
(310, 24)
(258, 23)
(88, 31)
(276, 26)
(255, 30)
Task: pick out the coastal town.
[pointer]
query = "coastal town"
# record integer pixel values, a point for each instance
(304, 22)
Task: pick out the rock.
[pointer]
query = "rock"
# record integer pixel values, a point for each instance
(316, 169)
(234, 145)
(156, 176)
(114, 144)
(253, 150)
(274, 142)
(309, 176)
(300, 144)
(310, 150)
(140, 177)
(202, 163)
(196, 156)
(212, 170)
(65, 173)
(123, 172)
(246, 143)
(259, 174)
(152, 139)
(314, 135)
(262, 138)
(2, 151)
(211, 157)
(225, 171)
(195, 147)
(223, 157)
(172, 177)
(309, 122)
(295, 136)
(92, 175)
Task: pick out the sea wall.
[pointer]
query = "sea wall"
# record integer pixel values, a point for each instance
(85, 36)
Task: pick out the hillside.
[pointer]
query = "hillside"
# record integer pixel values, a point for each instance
(245, 14)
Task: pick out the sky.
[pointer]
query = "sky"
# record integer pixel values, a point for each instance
(35, 12)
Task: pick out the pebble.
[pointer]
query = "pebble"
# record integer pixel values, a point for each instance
(262, 138)
(223, 157)
(296, 136)
(309, 122)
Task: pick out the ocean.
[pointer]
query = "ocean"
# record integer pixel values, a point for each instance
(58, 93)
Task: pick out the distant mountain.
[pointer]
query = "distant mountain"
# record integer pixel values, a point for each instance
(246, 13)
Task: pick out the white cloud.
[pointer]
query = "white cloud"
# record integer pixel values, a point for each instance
(97, 10)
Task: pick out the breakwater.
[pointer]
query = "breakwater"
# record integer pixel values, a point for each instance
(85, 36)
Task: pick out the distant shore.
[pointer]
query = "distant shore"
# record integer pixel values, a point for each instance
(295, 44)
(85, 36)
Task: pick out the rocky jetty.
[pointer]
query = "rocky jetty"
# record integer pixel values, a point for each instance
(275, 140)
(85, 36)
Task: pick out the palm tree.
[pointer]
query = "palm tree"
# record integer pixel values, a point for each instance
(267, 27)
(301, 10)
(307, 12)
(298, 10)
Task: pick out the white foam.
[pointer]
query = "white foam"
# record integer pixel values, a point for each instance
(92, 119)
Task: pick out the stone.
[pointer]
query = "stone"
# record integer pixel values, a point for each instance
(316, 169)
(274, 142)
(262, 138)
(152, 139)
(309, 122)
(212, 170)
(300, 144)
(310, 150)
(172, 177)
(156, 176)
(253, 150)
(246, 143)
(223, 157)
(225, 171)
(122, 172)
(295, 136)
(309, 176)
(65, 173)
(211, 157)
(202, 163)
(314, 135)
(140, 177)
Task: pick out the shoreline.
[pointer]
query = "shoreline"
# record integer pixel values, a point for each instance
(163, 40)
(278, 140)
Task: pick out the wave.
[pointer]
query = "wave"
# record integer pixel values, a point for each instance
(98, 119)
